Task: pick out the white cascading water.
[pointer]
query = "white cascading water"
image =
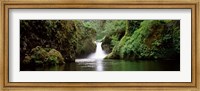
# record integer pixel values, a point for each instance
(99, 53)
(95, 58)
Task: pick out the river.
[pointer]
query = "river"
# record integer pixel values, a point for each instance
(96, 62)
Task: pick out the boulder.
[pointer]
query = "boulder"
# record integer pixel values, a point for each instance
(54, 55)
(40, 56)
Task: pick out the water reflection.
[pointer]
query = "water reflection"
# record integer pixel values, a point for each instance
(99, 65)
(111, 65)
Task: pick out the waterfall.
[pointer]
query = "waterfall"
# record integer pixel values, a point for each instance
(94, 58)
(99, 53)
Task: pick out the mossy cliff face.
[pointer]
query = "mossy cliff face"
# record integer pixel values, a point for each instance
(111, 40)
(114, 30)
(63, 36)
(85, 38)
(149, 40)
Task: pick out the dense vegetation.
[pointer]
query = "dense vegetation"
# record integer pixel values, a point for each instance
(149, 40)
(62, 41)
(67, 39)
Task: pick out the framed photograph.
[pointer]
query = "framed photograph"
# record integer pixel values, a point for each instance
(100, 45)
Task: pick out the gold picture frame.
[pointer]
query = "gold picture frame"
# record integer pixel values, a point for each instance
(109, 86)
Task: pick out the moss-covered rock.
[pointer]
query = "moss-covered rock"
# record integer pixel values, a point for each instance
(55, 56)
(39, 53)
(40, 56)
(106, 44)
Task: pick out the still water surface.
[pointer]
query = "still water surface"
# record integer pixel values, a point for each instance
(112, 65)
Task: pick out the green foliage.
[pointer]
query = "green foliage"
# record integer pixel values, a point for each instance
(114, 40)
(131, 26)
(152, 39)
(113, 26)
(97, 25)
(105, 27)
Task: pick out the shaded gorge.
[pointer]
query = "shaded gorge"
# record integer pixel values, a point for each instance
(99, 45)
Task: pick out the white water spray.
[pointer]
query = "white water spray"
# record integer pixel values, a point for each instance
(99, 53)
